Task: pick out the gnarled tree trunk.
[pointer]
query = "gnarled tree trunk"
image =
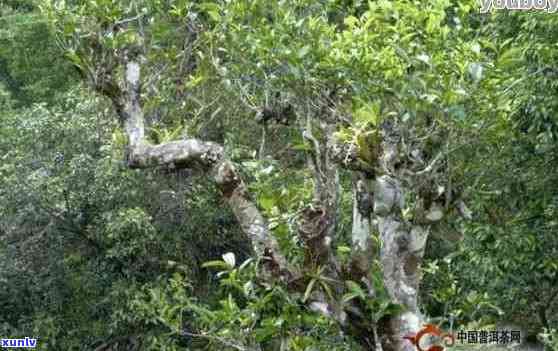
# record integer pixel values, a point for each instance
(195, 153)
(404, 230)
(403, 241)
(400, 255)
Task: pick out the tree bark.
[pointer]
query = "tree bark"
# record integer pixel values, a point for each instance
(361, 233)
(403, 243)
(196, 153)
(319, 221)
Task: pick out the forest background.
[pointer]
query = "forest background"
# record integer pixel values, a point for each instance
(276, 175)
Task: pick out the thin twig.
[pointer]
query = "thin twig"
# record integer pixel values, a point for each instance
(429, 168)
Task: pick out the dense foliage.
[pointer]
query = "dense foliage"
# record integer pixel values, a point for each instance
(98, 255)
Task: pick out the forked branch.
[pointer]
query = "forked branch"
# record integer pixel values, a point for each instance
(194, 153)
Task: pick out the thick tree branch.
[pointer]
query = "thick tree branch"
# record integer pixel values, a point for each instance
(402, 247)
(194, 153)
(361, 233)
(182, 154)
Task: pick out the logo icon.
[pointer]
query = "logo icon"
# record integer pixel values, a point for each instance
(433, 330)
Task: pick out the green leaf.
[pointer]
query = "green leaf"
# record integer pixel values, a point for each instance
(245, 264)
(327, 289)
(267, 203)
(214, 15)
(510, 57)
(212, 10)
(355, 289)
(351, 21)
(308, 290)
(343, 249)
(349, 296)
(303, 51)
(215, 264)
